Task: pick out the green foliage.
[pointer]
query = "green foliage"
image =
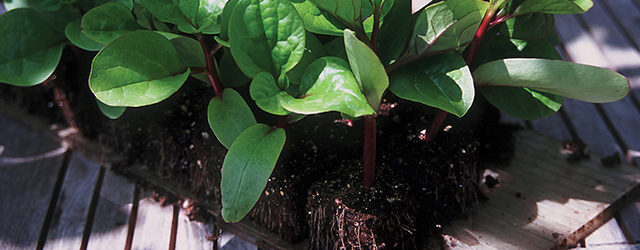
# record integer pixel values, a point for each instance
(30, 49)
(228, 116)
(303, 57)
(130, 72)
(367, 68)
(107, 22)
(442, 81)
(247, 167)
(577, 81)
(328, 85)
(266, 36)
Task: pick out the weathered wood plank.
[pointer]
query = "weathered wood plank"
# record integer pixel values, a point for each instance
(631, 220)
(29, 168)
(109, 229)
(543, 198)
(153, 225)
(552, 126)
(67, 228)
(608, 234)
(590, 127)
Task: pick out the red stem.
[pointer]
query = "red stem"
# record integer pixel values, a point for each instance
(211, 71)
(475, 43)
(434, 129)
(369, 152)
(376, 28)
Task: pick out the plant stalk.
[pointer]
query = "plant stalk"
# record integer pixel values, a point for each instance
(211, 71)
(434, 129)
(369, 151)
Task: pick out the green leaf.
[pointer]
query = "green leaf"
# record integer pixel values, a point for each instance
(553, 6)
(522, 103)
(367, 69)
(90, 4)
(191, 16)
(529, 27)
(130, 71)
(110, 111)
(29, 49)
(446, 26)
(107, 22)
(329, 85)
(318, 21)
(74, 33)
(247, 167)
(501, 47)
(312, 52)
(265, 91)
(442, 81)
(230, 73)
(581, 82)
(228, 116)
(347, 11)
(395, 31)
(225, 17)
(266, 36)
(190, 51)
(47, 5)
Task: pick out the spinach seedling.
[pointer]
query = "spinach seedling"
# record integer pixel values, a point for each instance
(305, 57)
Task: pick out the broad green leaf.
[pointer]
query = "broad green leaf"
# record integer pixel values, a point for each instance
(266, 36)
(130, 71)
(74, 33)
(313, 51)
(367, 69)
(329, 85)
(143, 16)
(347, 11)
(501, 47)
(110, 111)
(228, 116)
(47, 5)
(229, 72)
(29, 49)
(522, 103)
(225, 17)
(553, 6)
(107, 22)
(442, 81)
(528, 27)
(190, 51)
(90, 4)
(446, 26)
(265, 91)
(395, 31)
(247, 167)
(318, 21)
(336, 48)
(59, 19)
(577, 81)
(191, 16)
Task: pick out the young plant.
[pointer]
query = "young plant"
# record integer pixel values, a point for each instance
(305, 57)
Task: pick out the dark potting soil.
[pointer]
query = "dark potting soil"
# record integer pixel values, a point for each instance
(173, 140)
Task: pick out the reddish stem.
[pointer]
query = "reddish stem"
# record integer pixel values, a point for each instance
(369, 151)
(211, 71)
(434, 129)
(282, 122)
(376, 28)
(475, 43)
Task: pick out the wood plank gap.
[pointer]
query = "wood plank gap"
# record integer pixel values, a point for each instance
(42, 239)
(616, 135)
(174, 227)
(569, 125)
(93, 206)
(625, 230)
(133, 216)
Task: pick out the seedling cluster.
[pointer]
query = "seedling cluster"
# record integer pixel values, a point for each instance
(304, 57)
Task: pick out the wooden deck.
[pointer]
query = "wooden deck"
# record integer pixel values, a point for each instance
(54, 198)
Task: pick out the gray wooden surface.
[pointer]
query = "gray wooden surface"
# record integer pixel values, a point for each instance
(52, 198)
